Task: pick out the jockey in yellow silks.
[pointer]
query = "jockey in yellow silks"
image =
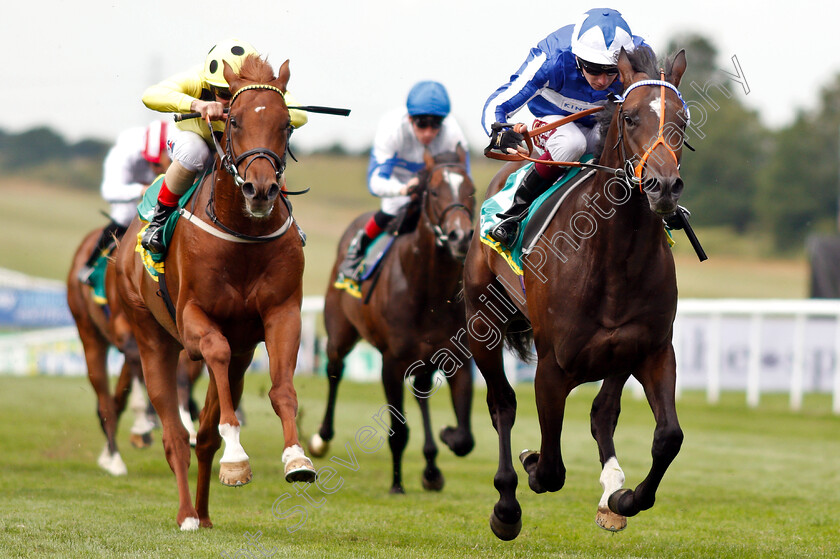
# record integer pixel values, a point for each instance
(202, 89)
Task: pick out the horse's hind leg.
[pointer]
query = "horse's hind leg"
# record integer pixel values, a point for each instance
(432, 478)
(341, 337)
(604, 417)
(460, 439)
(658, 377)
(96, 356)
(209, 439)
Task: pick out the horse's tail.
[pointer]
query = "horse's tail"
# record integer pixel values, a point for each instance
(519, 338)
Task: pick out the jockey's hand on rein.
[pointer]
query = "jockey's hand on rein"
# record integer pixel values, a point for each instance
(504, 137)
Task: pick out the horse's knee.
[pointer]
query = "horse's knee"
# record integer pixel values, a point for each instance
(667, 441)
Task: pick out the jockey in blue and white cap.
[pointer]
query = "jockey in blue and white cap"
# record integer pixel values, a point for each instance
(571, 70)
(402, 137)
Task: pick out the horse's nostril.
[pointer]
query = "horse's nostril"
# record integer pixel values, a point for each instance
(651, 185)
(248, 189)
(273, 191)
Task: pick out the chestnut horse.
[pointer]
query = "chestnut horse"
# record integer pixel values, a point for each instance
(600, 295)
(233, 283)
(100, 327)
(411, 315)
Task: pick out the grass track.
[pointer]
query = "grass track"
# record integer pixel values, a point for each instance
(748, 483)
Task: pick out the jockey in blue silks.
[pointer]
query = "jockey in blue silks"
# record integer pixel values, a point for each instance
(402, 137)
(571, 70)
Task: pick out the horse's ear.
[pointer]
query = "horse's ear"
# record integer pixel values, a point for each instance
(428, 159)
(677, 68)
(282, 77)
(625, 69)
(231, 77)
(462, 153)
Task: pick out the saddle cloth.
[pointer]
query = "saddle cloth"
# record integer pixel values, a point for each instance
(374, 254)
(534, 220)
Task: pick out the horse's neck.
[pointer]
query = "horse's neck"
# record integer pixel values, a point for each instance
(423, 261)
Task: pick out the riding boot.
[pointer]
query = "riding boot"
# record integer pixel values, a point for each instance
(111, 231)
(153, 237)
(532, 185)
(355, 254)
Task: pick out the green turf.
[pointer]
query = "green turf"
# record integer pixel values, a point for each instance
(43, 224)
(748, 483)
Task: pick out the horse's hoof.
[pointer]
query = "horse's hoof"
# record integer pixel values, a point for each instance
(189, 524)
(434, 484)
(461, 446)
(608, 520)
(614, 502)
(112, 463)
(318, 446)
(502, 530)
(529, 458)
(397, 490)
(140, 441)
(234, 474)
(300, 469)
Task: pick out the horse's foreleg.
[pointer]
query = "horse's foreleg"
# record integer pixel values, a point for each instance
(658, 377)
(282, 340)
(604, 418)
(393, 378)
(460, 439)
(200, 331)
(546, 471)
(432, 478)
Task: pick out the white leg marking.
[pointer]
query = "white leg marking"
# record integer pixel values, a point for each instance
(233, 450)
(112, 463)
(137, 403)
(612, 479)
(190, 523)
(294, 451)
(188, 423)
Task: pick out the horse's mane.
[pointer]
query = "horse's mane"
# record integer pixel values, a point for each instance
(642, 59)
(255, 69)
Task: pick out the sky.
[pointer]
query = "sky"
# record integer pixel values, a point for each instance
(81, 67)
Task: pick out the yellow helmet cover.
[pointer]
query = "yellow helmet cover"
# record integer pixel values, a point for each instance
(232, 51)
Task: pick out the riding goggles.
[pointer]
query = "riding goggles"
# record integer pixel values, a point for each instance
(427, 121)
(597, 69)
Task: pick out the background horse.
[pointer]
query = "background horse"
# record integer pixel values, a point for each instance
(601, 298)
(99, 329)
(411, 315)
(228, 296)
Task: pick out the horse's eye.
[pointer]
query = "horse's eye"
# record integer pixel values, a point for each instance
(434, 193)
(233, 122)
(628, 120)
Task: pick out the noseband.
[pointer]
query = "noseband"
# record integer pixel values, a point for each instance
(441, 238)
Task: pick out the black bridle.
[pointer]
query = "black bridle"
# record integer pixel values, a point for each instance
(441, 238)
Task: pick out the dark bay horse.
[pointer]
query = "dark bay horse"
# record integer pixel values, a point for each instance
(601, 300)
(99, 329)
(410, 316)
(233, 283)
